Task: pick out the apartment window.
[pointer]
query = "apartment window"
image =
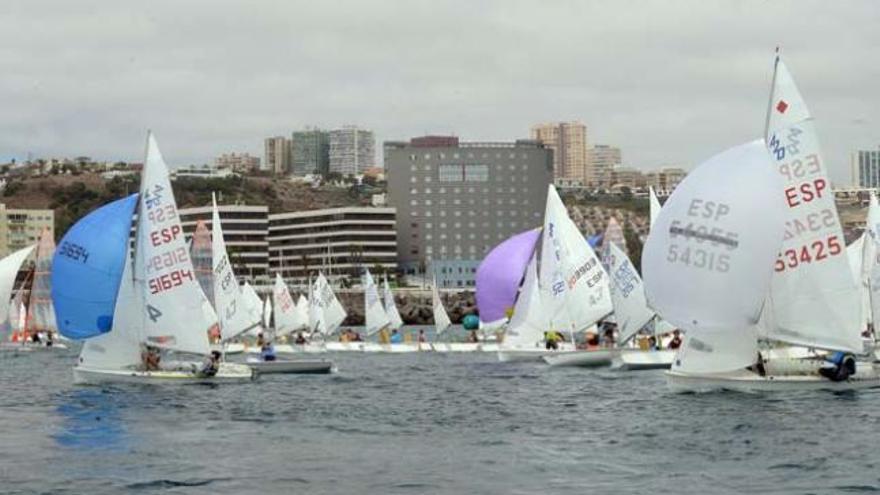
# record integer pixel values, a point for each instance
(442, 155)
(412, 179)
(428, 179)
(413, 190)
(428, 190)
(476, 173)
(428, 213)
(429, 225)
(456, 156)
(427, 202)
(456, 201)
(413, 202)
(458, 225)
(442, 190)
(442, 225)
(412, 158)
(512, 156)
(451, 173)
(413, 168)
(457, 213)
(427, 156)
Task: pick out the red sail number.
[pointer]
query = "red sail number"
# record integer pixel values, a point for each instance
(813, 252)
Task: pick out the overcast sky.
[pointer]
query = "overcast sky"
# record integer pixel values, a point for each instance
(669, 82)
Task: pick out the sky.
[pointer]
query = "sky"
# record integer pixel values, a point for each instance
(670, 83)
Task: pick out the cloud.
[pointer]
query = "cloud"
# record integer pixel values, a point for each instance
(668, 82)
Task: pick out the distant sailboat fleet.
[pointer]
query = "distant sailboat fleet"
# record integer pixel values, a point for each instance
(746, 284)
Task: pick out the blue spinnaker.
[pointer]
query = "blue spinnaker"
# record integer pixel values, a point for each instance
(87, 269)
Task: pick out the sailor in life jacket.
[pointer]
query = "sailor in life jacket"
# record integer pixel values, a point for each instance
(838, 366)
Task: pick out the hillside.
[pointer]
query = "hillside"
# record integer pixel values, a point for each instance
(72, 196)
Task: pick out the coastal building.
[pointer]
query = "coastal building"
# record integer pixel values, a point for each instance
(456, 200)
(665, 180)
(200, 172)
(277, 155)
(237, 162)
(310, 152)
(352, 150)
(20, 228)
(339, 242)
(865, 168)
(603, 160)
(245, 230)
(626, 177)
(568, 140)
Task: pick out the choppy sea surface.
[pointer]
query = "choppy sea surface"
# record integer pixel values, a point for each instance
(426, 423)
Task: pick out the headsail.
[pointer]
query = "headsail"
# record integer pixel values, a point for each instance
(500, 274)
(614, 235)
(708, 260)
(176, 313)
(654, 205)
(814, 299)
(441, 319)
(530, 317)
(41, 312)
(9, 267)
(871, 257)
(87, 269)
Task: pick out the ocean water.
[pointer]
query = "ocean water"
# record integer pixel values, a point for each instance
(426, 423)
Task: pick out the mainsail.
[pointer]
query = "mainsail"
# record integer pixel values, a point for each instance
(236, 313)
(814, 300)
(332, 312)
(374, 314)
(390, 305)
(441, 319)
(627, 293)
(176, 313)
(41, 312)
(654, 205)
(202, 259)
(87, 269)
(530, 317)
(286, 317)
(574, 283)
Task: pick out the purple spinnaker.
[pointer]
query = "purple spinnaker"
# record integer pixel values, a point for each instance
(500, 273)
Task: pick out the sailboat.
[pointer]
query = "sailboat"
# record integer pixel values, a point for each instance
(118, 301)
(396, 322)
(442, 322)
(290, 318)
(326, 313)
(573, 289)
(9, 313)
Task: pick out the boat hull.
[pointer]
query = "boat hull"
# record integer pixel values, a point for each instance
(293, 349)
(744, 380)
(456, 347)
(228, 372)
(636, 359)
(397, 348)
(233, 348)
(30, 346)
(304, 367)
(344, 346)
(586, 359)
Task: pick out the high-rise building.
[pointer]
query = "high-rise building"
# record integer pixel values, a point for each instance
(865, 168)
(310, 152)
(352, 150)
(21, 228)
(603, 160)
(627, 177)
(276, 157)
(238, 162)
(455, 201)
(568, 140)
(339, 242)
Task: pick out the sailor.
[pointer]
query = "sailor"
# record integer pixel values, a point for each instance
(551, 340)
(396, 337)
(150, 358)
(838, 366)
(261, 341)
(268, 352)
(422, 338)
(300, 339)
(675, 343)
(211, 364)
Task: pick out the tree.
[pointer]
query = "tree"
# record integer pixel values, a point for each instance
(634, 246)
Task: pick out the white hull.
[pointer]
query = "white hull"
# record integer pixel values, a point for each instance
(31, 346)
(586, 358)
(533, 354)
(316, 366)
(397, 348)
(636, 359)
(456, 347)
(293, 349)
(228, 372)
(233, 348)
(747, 381)
(344, 346)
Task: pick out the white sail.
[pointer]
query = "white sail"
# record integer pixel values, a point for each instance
(859, 264)
(708, 260)
(574, 283)
(374, 314)
(9, 267)
(174, 314)
(121, 346)
(316, 313)
(815, 301)
(267, 312)
(235, 309)
(614, 235)
(871, 257)
(654, 205)
(530, 317)
(333, 314)
(627, 293)
(717, 351)
(390, 305)
(286, 315)
(441, 319)
(302, 311)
